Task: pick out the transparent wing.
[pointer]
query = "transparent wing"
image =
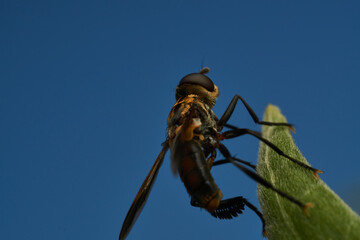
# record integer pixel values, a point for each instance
(141, 197)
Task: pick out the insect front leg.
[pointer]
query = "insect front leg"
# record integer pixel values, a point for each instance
(230, 109)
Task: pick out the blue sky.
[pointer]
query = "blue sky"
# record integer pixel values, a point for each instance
(86, 87)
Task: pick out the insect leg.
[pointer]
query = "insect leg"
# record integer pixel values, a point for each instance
(242, 131)
(230, 109)
(224, 151)
(210, 160)
(257, 212)
(223, 161)
(230, 208)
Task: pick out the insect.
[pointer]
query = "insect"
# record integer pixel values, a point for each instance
(194, 137)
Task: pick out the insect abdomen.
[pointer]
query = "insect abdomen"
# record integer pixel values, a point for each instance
(195, 174)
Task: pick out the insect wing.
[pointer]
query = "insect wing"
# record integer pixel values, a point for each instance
(174, 148)
(141, 197)
(184, 134)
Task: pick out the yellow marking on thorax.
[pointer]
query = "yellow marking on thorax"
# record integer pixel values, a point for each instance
(188, 128)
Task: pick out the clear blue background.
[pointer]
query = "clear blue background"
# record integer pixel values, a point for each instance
(86, 87)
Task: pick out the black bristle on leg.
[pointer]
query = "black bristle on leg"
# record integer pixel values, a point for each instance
(229, 208)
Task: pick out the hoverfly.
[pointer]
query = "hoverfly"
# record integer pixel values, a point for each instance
(194, 136)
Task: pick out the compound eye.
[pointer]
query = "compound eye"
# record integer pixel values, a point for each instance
(198, 79)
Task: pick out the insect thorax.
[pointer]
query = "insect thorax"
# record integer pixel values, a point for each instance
(191, 105)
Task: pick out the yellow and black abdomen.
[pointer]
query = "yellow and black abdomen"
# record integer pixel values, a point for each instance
(189, 161)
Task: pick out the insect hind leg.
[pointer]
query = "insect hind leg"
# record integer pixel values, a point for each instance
(257, 212)
(229, 208)
(232, 207)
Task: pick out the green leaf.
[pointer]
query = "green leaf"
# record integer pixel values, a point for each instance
(329, 218)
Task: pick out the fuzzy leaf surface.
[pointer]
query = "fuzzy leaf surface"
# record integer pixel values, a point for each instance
(330, 218)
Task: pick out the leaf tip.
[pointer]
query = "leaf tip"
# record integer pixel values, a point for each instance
(272, 109)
